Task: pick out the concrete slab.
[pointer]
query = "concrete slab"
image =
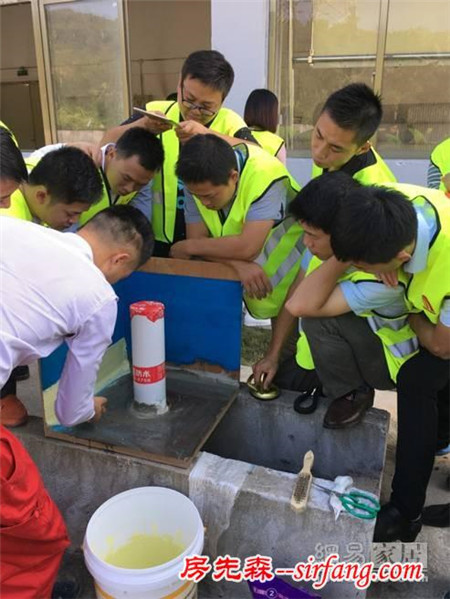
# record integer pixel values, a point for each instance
(243, 502)
(79, 489)
(196, 402)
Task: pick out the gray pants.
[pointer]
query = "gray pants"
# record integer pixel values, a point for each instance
(347, 354)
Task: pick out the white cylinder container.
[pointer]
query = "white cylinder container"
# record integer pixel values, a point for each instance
(148, 351)
(137, 511)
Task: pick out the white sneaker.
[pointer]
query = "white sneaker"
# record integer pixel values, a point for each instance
(249, 321)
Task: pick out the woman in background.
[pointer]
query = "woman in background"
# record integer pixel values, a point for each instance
(261, 115)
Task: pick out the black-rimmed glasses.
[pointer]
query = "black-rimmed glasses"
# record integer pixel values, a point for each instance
(192, 106)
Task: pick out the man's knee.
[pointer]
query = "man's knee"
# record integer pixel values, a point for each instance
(312, 326)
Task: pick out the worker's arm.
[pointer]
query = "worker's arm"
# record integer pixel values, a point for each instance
(266, 368)
(245, 246)
(113, 134)
(75, 402)
(187, 129)
(318, 294)
(197, 230)
(433, 337)
(92, 150)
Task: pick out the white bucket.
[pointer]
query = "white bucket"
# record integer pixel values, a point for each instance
(140, 511)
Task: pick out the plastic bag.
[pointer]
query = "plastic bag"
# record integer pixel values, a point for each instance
(278, 589)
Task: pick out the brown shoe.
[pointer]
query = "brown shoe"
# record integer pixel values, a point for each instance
(12, 411)
(348, 410)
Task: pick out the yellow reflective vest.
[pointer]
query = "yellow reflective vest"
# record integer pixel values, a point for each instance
(282, 252)
(19, 206)
(259, 171)
(398, 339)
(270, 142)
(426, 290)
(4, 126)
(165, 183)
(377, 172)
(440, 157)
(105, 201)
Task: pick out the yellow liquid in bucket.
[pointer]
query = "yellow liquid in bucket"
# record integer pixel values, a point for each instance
(145, 551)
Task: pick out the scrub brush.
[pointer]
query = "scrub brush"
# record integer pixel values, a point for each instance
(302, 487)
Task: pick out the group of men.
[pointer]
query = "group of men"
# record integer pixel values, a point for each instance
(363, 261)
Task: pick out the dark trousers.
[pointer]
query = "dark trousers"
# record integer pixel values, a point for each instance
(10, 387)
(347, 354)
(423, 396)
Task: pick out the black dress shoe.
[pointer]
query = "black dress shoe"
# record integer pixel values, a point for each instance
(307, 401)
(348, 410)
(393, 526)
(436, 515)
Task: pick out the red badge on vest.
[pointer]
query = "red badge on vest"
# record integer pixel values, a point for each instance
(427, 304)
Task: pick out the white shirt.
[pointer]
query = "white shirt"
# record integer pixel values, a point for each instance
(50, 292)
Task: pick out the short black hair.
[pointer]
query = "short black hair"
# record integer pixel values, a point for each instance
(125, 224)
(357, 108)
(12, 164)
(261, 110)
(69, 175)
(373, 225)
(211, 68)
(140, 142)
(317, 203)
(206, 158)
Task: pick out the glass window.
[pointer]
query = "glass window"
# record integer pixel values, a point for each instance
(416, 73)
(87, 73)
(319, 46)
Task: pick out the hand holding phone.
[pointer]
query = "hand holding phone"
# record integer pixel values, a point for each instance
(154, 116)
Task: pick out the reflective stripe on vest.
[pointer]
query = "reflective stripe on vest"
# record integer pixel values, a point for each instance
(280, 260)
(165, 182)
(270, 306)
(398, 339)
(440, 157)
(287, 227)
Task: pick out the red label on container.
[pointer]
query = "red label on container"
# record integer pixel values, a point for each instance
(149, 374)
(151, 310)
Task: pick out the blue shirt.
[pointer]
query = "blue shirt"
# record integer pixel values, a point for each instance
(362, 296)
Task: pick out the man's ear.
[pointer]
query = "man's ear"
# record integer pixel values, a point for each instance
(234, 176)
(111, 152)
(364, 148)
(42, 196)
(403, 256)
(120, 258)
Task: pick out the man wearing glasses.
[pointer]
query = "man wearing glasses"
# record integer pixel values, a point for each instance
(205, 80)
